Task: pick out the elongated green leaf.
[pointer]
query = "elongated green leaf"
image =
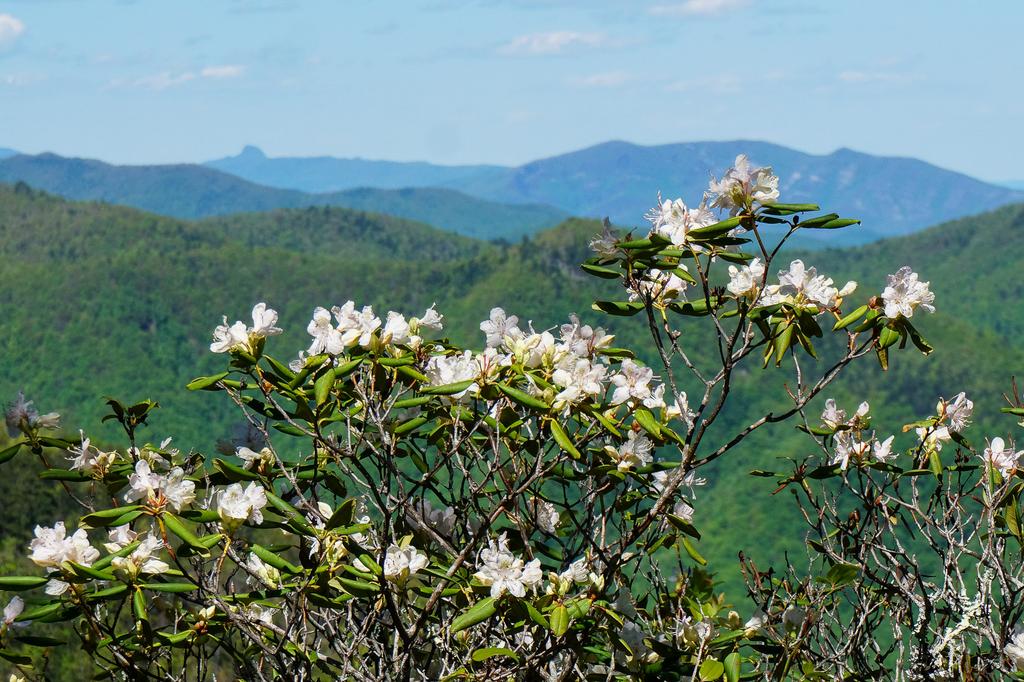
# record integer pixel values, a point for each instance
(646, 419)
(887, 337)
(842, 574)
(107, 517)
(692, 551)
(17, 583)
(175, 525)
(139, 605)
(410, 425)
(490, 652)
(818, 220)
(175, 588)
(711, 231)
(234, 472)
(711, 670)
(832, 224)
(323, 386)
(206, 383)
(620, 308)
(479, 612)
(274, 559)
(559, 620)
(732, 667)
(601, 271)
(448, 389)
(523, 398)
(847, 320)
(8, 453)
(563, 440)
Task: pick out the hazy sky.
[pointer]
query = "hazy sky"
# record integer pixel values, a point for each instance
(457, 81)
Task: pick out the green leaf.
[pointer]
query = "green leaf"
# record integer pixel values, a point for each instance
(832, 224)
(646, 419)
(732, 667)
(601, 271)
(711, 670)
(448, 389)
(785, 209)
(139, 605)
(233, 472)
(324, 384)
(206, 383)
(887, 337)
(7, 454)
(175, 525)
(491, 652)
(523, 398)
(692, 551)
(175, 588)
(782, 343)
(108, 517)
(274, 559)
(842, 574)
(716, 230)
(410, 425)
(563, 440)
(818, 220)
(63, 475)
(559, 620)
(620, 308)
(17, 583)
(847, 320)
(479, 612)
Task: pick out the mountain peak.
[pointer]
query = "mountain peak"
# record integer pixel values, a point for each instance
(253, 152)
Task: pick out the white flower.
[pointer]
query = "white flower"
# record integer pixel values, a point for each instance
(746, 280)
(579, 380)
(157, 490)
(237, 506)
(680, 409)
(431, 320)
(801, 284)
(578, 572)
(882, 450)
(635, 452)
(674, 220)
(505, 572)
(90, 460)
(262, 571)
(903, 294)
(141, 560)
(401, 563)
(500, 326)
(356, 328)
(742, 184)
(1001, 457)
(51, 547)
(848, 447)
(119, 538)
(582, 339)
(396, 329)
(631, 382)
(264, 320)
(690, 481)
(1014, 649)
(793, 618)
(933, 437)
(958, 411)
(230, 337)
(833, 417)
(604, 244)
(13, 610)
(326, 339)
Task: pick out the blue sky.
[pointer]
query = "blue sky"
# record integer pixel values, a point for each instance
(463, 81)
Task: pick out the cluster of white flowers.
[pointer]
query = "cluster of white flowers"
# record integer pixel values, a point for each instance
(951, 416)
(674, 220)
(351, 328)
(158, 490)
(1014, 649)
(801, 285)
(51, 547)
(504, 571)
(659, 286)
(632, 453)
(851, 440)
(236, 505)
(262, 572)
(238, 336)
(743, 184)
(904, 294)
(441, 521)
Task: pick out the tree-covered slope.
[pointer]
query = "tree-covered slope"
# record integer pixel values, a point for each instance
(192, 191)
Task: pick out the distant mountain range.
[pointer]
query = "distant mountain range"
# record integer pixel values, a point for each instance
(620, 180)
(194, 191)
(4, 152)
(330, 174)
(1014, 184)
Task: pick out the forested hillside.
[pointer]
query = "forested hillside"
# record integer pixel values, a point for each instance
(193, 191)
(107, 301)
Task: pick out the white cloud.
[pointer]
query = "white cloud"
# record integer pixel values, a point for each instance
(224, 71)
(11, 29)
(551, 42)
(609, 79)
(163, 80)
(698, 7)
(720, 84)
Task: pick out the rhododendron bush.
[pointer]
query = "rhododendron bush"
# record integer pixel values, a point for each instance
(397, 507)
